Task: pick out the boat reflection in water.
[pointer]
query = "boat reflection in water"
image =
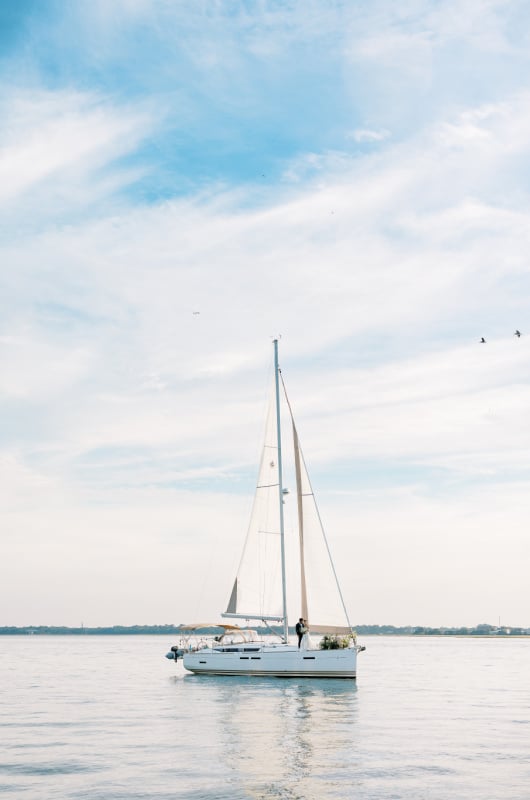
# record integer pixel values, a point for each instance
(283, 738)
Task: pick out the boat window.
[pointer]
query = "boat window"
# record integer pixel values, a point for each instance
(250, 649)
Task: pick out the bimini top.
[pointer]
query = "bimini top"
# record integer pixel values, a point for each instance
(200, 625)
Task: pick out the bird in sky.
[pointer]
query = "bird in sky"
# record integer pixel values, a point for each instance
(482, 340)
(196, 313)
(518, 334)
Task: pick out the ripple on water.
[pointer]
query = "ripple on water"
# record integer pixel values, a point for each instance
(57, 768)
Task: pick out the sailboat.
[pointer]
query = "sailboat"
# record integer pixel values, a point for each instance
(283, 575)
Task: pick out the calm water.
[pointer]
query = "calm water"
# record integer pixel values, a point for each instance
(109, 717)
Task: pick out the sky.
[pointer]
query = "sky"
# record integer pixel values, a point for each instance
(182, 182)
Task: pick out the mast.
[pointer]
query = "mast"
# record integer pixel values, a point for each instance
(280, 489)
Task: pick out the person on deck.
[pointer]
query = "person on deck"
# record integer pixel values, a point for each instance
(301, 629)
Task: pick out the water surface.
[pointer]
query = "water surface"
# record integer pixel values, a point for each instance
(109, 717)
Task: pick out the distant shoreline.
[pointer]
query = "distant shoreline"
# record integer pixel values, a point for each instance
(480, 631)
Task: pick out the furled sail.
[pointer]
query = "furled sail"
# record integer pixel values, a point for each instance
(321, 601)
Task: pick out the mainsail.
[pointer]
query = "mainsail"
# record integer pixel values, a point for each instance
(257, 590)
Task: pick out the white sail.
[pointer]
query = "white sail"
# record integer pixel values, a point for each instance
(257, 589)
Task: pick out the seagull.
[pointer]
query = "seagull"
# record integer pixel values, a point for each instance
(482, 340)
(518, 334)
(196, 313)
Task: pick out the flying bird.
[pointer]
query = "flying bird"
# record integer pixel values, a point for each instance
(482, 340)
(196, 313)
(517, 333)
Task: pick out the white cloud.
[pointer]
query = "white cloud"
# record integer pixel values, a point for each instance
(53, 132)
(366, 135)
(33, 368)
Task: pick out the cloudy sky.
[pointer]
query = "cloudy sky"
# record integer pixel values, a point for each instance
(351, 176)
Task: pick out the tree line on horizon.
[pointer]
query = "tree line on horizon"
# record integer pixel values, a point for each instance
(484, 629)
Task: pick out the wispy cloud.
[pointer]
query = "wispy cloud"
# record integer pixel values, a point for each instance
(61, 136)
(366, 135)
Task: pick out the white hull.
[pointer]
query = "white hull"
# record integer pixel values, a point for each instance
(282, 661)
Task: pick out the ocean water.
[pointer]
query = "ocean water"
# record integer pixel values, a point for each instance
(109, 717)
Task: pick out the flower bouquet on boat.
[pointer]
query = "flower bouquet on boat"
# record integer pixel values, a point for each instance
(281, 576)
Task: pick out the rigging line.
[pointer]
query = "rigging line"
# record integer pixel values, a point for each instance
(316, 507)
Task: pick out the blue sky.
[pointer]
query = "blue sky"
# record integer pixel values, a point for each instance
(351, 176)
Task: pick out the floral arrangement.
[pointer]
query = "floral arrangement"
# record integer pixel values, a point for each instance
(334, 642)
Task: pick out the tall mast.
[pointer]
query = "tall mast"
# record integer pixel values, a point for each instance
(280, 489)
